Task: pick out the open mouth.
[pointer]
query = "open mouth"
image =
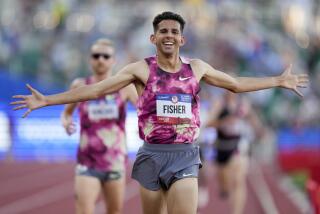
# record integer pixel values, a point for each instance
(168, 44)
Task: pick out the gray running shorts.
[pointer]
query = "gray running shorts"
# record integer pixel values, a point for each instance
(160, 165)
(103, 176)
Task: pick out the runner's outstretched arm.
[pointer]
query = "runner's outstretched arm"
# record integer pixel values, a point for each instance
(93, 91)
(286, 80)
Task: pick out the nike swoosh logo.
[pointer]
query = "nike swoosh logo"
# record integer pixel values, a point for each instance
(183, 78)
(185, 175)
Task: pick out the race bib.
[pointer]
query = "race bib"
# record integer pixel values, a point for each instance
(103, 110)
(173, 108)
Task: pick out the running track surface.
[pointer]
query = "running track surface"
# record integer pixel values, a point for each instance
(37, 188)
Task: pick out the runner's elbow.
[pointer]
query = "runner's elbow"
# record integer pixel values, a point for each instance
(235, 88)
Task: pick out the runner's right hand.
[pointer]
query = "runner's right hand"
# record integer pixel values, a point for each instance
(30, 102)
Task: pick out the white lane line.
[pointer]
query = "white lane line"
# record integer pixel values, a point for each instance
(261, 189)
(39, 199)
(132, 189)
(297, 197)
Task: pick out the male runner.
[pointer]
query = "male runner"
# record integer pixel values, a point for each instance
(168, 112)
(102, 154)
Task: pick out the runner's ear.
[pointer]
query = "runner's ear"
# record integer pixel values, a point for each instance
(152, 39)
(182, 41)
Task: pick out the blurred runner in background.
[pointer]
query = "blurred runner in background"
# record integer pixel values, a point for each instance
(237, 125)
(102, 154)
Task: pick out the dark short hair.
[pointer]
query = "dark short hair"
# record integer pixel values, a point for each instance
(168, 16)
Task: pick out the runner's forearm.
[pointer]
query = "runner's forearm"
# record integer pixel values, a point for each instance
(246, 84)
(79, 94)
(89, 92)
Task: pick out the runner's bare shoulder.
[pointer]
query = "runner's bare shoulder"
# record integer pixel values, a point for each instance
(78, 82)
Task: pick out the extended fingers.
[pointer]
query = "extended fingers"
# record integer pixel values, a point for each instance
(26, 113)
(18, 102)
(302, 85)
(31, 89)
(298, 92)
(304, 75)
(303, 81)
(303, 78)
(20, 96)
(20, 107)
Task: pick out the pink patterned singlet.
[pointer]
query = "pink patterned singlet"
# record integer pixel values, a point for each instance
(168, 109)
(102, 141)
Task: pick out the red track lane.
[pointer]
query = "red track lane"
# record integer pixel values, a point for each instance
(218, 205)
(28, 183)
(39, 188)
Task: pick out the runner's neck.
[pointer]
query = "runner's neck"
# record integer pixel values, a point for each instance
(170, 64)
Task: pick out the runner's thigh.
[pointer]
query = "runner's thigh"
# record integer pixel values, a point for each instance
(113, 191)
(87, 190)
(153, 202)
(182, 197)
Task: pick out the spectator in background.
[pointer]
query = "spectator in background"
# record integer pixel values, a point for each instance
(101, 153)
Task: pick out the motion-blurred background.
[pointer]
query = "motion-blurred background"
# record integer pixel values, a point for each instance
(46, 43)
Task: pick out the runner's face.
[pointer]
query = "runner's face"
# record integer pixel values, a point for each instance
(101, 58)
(168, 37)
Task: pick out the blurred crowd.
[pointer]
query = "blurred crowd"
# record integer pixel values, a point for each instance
(49, 41)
